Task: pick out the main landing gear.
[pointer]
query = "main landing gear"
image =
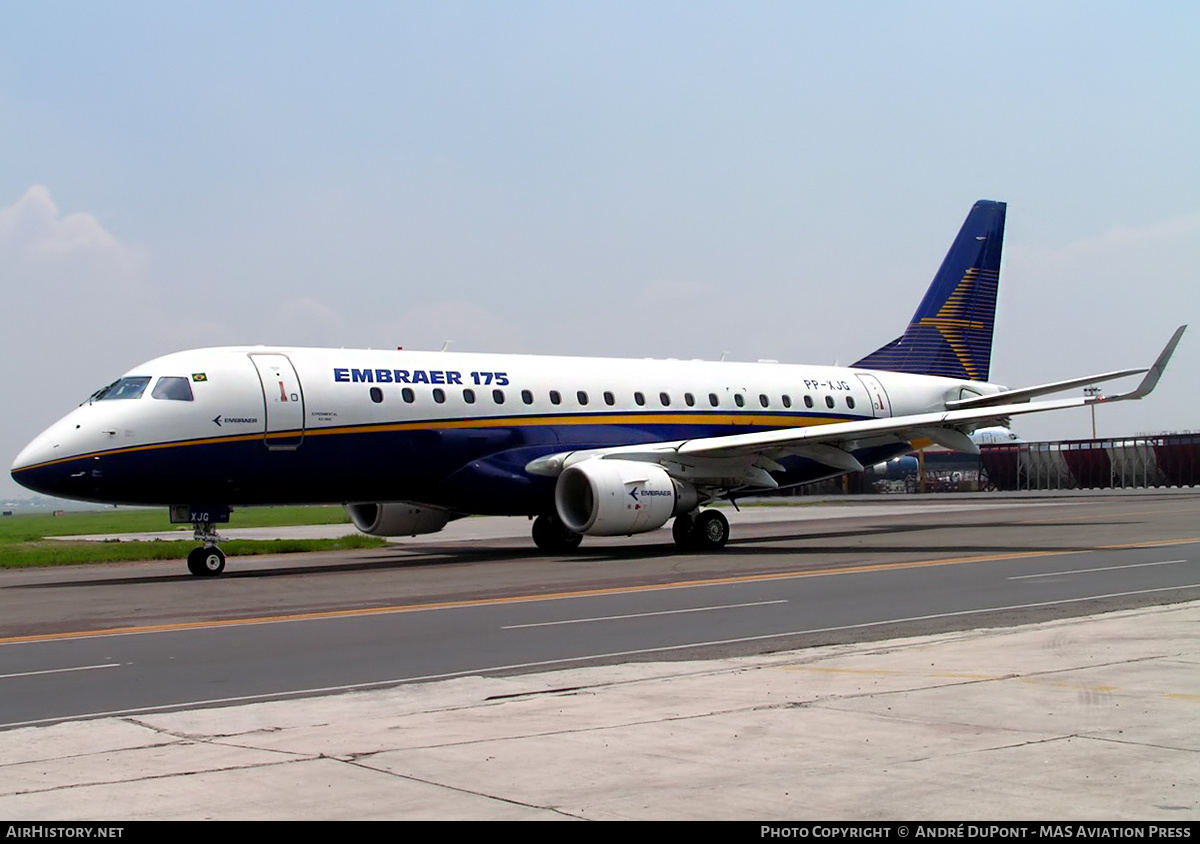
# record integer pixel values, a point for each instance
(552, 536)
(707, 530)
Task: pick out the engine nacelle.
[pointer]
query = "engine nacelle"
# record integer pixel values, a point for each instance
(397, 518)
(619, 497)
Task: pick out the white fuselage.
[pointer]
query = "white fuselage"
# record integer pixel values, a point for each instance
(273, 425)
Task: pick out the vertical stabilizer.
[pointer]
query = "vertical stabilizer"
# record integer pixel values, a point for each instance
(951, 332)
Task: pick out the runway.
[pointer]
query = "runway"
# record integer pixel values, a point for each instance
(122, 639)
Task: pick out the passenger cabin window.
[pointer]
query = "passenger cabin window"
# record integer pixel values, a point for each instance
(808, 402)
(609, 398)
(469, 396)
(763, 400)
(829, 401)
(582, 397)
(124, 388)
(498, 396)
(407, 394)
(787, 401)
(713, 400)
(739, 400)
(689, 399)
(639, 399)
(555, 397)
(850, 402)
(376, 395)
(665, 398)
(527, 397)
(439, 395)
(172, 388)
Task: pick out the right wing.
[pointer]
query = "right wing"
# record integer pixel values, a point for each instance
(1025, 393)
(740, 460)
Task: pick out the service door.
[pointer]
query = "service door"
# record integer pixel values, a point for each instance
(283, 401)
(879, 398)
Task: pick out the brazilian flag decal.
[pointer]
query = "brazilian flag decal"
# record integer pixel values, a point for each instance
(199, 376)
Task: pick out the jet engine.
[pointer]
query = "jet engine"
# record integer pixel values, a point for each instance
(397, 518)
(619, 497)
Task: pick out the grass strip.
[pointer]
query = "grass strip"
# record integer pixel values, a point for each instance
(23, 541)
(56, 553)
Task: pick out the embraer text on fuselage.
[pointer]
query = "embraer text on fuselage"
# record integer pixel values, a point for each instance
(354, 375)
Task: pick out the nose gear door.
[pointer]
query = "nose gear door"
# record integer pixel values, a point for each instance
(283, 401)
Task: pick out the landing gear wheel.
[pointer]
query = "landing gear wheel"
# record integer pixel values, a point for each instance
(550, 534)
(206, 562)
(710, 531)
(681, 531)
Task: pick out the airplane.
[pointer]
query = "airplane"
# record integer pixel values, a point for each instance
(410, 440)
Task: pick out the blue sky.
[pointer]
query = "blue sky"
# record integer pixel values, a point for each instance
(775, 180)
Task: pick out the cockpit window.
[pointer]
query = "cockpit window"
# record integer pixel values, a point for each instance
(173, 388)
(124, 388)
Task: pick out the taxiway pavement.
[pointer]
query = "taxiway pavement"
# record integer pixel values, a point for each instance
(1087, 718)
(1095, 718)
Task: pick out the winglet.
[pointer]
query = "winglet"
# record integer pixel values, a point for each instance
(1150, 380)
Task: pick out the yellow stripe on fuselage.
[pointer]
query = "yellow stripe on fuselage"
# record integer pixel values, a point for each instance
(759, 420)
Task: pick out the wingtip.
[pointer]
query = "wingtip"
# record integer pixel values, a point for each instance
(1150, 379)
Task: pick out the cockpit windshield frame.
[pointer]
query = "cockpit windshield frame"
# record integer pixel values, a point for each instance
(130, 387)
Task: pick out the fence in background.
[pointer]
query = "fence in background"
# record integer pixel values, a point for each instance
(1168, 460)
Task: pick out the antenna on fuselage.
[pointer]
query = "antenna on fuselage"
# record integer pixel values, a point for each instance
(446, 345)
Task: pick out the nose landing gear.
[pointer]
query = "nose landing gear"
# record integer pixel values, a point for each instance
(208, 560)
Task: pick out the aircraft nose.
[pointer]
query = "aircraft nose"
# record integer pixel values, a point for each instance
(38, 451)
(27, 467)
(42, 466)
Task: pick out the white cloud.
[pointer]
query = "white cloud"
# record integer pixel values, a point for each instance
(80, 310)
(1152, 233)
(36, 236)
(1179, 234)
(304, 321)
(466, 325)
(1102, 302)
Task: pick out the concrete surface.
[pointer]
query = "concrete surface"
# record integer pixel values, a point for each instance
(513, 527)
(1095, 718)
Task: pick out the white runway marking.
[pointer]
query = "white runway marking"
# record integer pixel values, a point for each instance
(641, 615)
(1105, 568)
(60, 670)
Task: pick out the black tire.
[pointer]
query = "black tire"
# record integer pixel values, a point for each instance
(552, 536)
(681, 531)
(710, 531)
(206, 562)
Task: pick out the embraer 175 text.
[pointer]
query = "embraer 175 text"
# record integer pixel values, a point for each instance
(586, 446)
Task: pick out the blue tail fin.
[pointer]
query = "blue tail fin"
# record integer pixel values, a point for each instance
(951, 332)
